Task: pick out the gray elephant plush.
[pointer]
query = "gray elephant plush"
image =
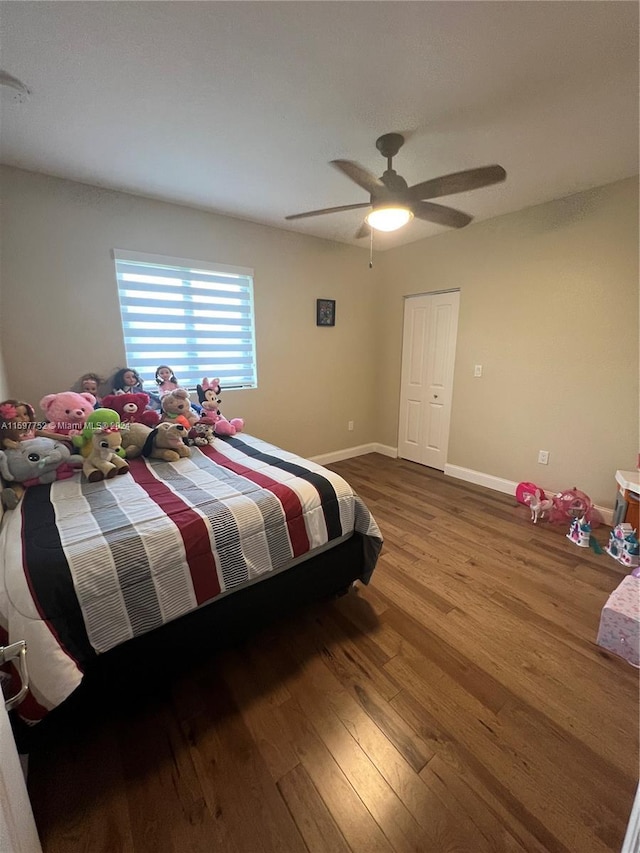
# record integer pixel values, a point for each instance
(30, 462)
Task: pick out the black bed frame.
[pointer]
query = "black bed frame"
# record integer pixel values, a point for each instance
(225, 622)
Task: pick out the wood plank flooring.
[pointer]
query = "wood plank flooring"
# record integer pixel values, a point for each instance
(458, 704)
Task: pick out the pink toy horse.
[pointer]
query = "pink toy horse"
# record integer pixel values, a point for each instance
(538, 505)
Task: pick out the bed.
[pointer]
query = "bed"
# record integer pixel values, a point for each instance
(239, 528)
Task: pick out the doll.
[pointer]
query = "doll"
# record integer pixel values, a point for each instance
(165, 379)
(90, 382)
(127, 381)
(17, 421)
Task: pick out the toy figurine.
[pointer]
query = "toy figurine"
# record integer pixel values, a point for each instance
(165, 379)
(623, 545)
(538, 505)
(580, 532)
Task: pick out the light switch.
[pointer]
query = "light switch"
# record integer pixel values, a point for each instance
(477, 371)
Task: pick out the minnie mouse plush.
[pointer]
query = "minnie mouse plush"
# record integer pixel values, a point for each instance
(209, 397)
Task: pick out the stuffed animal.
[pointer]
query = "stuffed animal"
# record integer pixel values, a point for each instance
(203, 431)
(166, 441)
(132, 408)
(209, 397)
(98, 419)
(31, 462)
(103, 460)
(176, 408)
(67, 412)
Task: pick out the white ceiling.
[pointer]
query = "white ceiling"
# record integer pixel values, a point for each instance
(237, 107)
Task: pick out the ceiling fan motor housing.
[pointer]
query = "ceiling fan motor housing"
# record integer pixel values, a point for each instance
(389, 144)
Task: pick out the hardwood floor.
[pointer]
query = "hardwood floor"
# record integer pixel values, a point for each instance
(457, 703)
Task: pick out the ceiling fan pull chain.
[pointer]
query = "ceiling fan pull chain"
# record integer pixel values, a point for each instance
(371, 250)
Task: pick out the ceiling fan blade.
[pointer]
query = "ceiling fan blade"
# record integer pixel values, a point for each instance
(458, 182)
(440, 215)
(363, 231)
(365, 179)
(328, 210)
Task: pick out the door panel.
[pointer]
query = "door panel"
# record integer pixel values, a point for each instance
(419, 319)
(413, 422)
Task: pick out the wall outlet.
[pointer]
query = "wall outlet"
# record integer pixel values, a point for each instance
(477, 370)
(350, 426)
(543, 457)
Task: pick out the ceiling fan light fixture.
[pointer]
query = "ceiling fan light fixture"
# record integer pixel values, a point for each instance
(389, 218)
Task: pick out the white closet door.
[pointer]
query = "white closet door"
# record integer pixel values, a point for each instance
(428, 356)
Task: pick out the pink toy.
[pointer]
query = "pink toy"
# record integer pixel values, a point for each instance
(132, 408)
(570, 504)
(67, 411)
(524, 491)
(538, 505)
(209, 398)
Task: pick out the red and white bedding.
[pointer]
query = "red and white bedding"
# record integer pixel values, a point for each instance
(87, 566)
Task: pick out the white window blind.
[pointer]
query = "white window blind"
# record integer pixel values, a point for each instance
(193, 316)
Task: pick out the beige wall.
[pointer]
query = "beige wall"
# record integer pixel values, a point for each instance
(61, 315)
(549, 307)
(4, 385)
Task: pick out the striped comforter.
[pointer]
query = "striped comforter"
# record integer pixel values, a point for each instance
(87, 566)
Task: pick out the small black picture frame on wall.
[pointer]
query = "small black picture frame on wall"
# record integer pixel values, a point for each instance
(325, 312)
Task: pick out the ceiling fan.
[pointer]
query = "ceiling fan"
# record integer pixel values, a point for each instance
(394, 203)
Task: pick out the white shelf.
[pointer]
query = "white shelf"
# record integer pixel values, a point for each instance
(629, 480)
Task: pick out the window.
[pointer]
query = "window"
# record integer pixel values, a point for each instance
(194, 316)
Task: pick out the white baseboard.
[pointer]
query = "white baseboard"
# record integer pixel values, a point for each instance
(498, 484)
(480, 479)
(508, 487)
(350, 452)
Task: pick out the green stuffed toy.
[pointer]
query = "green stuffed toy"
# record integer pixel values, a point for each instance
(98, 419)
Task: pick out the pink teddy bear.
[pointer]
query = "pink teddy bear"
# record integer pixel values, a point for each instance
(67, 411)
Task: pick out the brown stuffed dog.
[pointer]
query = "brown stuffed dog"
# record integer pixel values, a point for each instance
(163, 442)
